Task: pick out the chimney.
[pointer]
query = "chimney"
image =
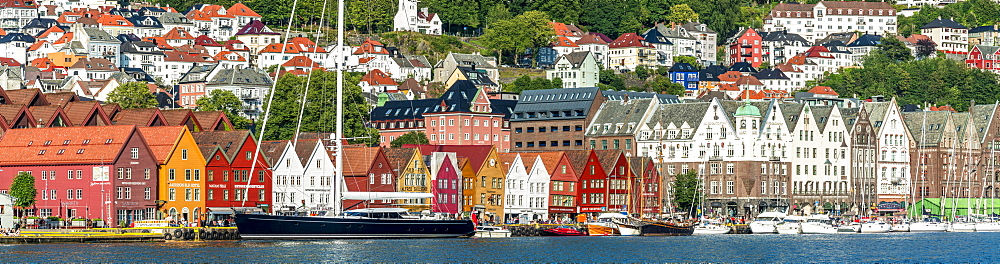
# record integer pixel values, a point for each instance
(41, 124)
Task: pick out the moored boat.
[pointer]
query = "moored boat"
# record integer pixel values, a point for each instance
(605, 225)
(901, 227)
(988, 227)
(359, 223)
(875, 226)
(764, 223)
(818, 224)
(852, 227)
(665, 228)
(792, 224)
(562, 231)
(962, 227)
(711, 227)
(491, 231)
(930, 224)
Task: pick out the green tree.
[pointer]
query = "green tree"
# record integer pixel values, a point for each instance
(610, 80)
(465, 13)
(686, 191)
(682, 14)
(893, 49)
(414, 138)
(23, 190)
(925, 48)
(663, 85)
(370, 16)
(132, 95)
(320, 108)
(497, 13)
(642, 72)
(525, 83)
(228, 103)
(689, 60)
(528, 30)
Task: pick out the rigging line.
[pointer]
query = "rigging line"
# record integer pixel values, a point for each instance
(302, 109)
(270, 99)
(340, 108)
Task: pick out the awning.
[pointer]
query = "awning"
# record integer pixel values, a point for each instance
(220, 210)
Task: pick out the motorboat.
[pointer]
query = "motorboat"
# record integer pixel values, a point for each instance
(792, 224)
(605, 225)
(491, 231)
(962, 227)
(929, 224)
(711, 227)
(358, 223)
(818, 224)
(562, 231)
(764, 223)
(875, 226)
(853, 227)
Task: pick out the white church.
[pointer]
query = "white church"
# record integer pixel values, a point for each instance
(409, 18)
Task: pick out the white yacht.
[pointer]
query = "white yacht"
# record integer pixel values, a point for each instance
(711, 227)
(992, 226)
(963, 227)
(930, 224)
(764, 223)
(852, 227)
(491, 231)
(903, 226)
(875, 226)
(818, 224)
(792, 224)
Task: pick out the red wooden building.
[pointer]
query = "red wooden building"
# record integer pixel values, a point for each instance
(563, 181)
(746, 46)
(984, 57)
(645, 190)
(366, 169)
(100, 172)
(231, 154)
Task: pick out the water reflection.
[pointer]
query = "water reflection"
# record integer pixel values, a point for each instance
(892, 247)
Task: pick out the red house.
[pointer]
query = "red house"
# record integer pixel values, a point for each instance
(367, 169)
(746, 46)
(563, 182)
(646, 194)
(446, 181)
(984, 57)
(101, 172)
(247, 189)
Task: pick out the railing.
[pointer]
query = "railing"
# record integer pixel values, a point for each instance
(775, 158)
(715, 158)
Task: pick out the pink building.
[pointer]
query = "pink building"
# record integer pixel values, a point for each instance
(447, 182)
(463, 115)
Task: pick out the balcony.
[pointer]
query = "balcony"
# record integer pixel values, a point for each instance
(746, 45)
(774, 158)
(891, 23)
(810, 25)
(746, 55)
(862, 22)
(714, 158)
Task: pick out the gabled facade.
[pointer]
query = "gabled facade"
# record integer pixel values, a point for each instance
(181, 168)
(576, 70)
(409, 18)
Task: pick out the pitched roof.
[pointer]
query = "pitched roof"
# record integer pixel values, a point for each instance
(608, 158)
(161, 140)
(178, 33)
(212, 120)
(629, 40)
(255, 27)
(239, 9)
(943, 23)
(273, 149)
(613, 112)
(79, 112)
(207, 41)
(476, 154)
(357, 160)
(591, 39)
(823, 90)
(66, 145)
(563, 42)
(301, 61)
(26, 97)
(377, 77)
(399, 157)
(229, 141)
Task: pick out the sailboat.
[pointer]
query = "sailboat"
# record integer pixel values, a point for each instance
(358, 223)
(989, 224)
(929, 224)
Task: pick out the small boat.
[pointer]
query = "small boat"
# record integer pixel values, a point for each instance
(562, 231)
(875, 226)
(605, 225)
(962, 227)
(988, 227)
(491, 231)
(792, 224)
(818, 224)
(852, 227)
(628, 226)
(930, 224)
(711, 227)
(665, 228)
(764, 223)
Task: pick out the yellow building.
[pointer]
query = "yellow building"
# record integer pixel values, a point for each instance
(483, 178)
(181, 164)
(413, 175)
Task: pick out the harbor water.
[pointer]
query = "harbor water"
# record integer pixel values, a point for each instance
(891, 247)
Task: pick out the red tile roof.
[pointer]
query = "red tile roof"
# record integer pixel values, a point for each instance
(178, 33)
(276, 48)
(27, 97)
(212, 120)
(377, 77)
(228, 56)
(142, 117)
(161, 140)
(823, 90)
(81, 112)
(564, 42)
(629, 40)
(53, 29)
(207, 41)
(300, 61)
(475, 153)
(238, 9)
(66, 145)
(9, 62)
(371, 47)
(357, 160)
(108, 20)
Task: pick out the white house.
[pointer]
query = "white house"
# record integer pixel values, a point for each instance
(948, 34)
(821, 158)
(816, 21)
(577, 69)
(6, 211)
(526, 193)
(409, 18)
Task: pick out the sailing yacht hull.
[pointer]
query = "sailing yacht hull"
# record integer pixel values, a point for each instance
(254, 226)
(962, 227)
(988, 227)
(928, 227)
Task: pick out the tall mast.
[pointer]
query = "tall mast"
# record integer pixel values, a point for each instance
(339, 134)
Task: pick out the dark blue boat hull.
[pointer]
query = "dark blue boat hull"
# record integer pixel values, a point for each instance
(258, 226)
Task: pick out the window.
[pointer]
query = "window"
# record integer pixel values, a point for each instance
(729, 187)
(171, 174)
(187, 175)
(184, 154)
(135, 152)
(172, 194)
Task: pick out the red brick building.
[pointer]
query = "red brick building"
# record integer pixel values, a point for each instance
(102, 172)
